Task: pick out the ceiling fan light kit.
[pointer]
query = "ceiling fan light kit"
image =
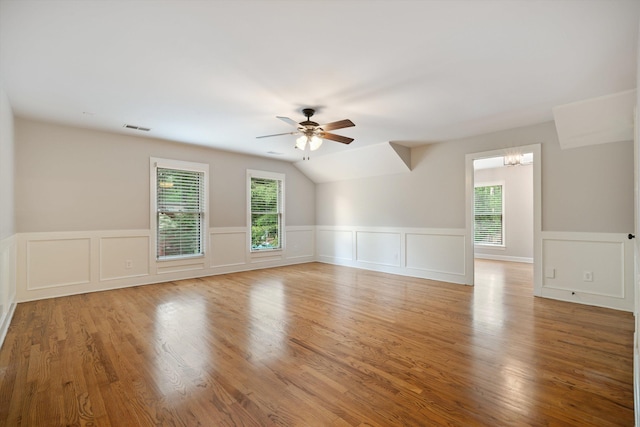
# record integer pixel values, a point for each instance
(314, 142)
(312, 134)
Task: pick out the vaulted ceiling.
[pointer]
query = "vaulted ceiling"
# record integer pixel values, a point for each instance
(216, 73)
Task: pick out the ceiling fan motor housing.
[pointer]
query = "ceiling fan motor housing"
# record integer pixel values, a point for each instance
(308, 125)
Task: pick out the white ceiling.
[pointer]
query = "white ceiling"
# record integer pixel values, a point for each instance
(217, 73)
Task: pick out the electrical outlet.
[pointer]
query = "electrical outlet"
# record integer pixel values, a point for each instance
(587, 276)
(128, 264)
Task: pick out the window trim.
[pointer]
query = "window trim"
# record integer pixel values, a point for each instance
(251, 173)
(503, 245)
(154, 164)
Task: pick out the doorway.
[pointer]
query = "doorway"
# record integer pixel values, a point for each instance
(487, 175)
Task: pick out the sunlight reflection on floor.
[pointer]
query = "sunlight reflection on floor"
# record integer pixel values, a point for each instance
(267, 305)
(174, 319)
(490, 323)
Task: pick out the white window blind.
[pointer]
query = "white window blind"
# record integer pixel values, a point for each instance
(180, 213)
(266, 213)
(488, 215)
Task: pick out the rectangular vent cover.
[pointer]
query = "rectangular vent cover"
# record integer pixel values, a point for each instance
(137, 128)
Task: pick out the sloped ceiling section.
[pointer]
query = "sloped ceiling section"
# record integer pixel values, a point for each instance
(596, 120)
(386, 158)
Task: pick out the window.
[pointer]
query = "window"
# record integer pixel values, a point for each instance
(180, 208)
(265, 210)
(489, 215)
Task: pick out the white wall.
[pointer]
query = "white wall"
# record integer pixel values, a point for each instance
(585, 190)
(518, 212)
(7, 223)
(82, 208)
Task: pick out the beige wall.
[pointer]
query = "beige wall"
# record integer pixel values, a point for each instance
(588, 188)
(71, 179)
(7, 223)
(583, 189)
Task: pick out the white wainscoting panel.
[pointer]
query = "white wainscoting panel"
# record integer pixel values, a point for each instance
(336, 244)
(525, 260)
(65, 263)
(300, 242)
(181, 265)
(590, 268)
(7, 284)
(228, 247)
(123, 257)
(381, 248)
(45, 265)
(439, 253)
(58, 262)
(436, 254)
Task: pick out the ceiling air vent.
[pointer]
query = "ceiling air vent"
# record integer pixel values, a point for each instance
(137, 128)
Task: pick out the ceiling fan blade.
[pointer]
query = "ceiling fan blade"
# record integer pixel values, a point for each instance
(338, 125)
(288, 120)
(277, 134)
(337, 138)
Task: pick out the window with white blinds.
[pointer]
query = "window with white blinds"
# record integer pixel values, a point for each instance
(180, 202)
(266, 212)
(489, 215)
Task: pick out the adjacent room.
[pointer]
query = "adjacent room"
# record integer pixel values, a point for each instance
(319, 213)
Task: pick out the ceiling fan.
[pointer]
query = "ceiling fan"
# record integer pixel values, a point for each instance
(312, 133)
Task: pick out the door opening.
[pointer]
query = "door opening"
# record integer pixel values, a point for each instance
(503, 208)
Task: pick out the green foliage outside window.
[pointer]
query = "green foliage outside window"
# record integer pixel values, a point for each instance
(265, 213)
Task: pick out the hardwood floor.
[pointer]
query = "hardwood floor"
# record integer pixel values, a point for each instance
(317, 344)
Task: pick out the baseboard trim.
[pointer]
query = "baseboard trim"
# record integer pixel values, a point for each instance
(504, 258)
(167, 277)
(7, 322)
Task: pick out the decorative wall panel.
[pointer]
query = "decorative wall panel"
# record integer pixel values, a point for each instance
(228, 248)
(436, 254)
(300, 242)
(442, 253)
(382, 248)
(122, 257)
(335, 244)
(590, 268)
(59, 262)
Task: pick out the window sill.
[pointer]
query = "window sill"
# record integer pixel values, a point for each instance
(180, 258)
(266, 252)
(498, 247)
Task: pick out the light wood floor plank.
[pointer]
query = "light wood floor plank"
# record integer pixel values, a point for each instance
(318, 345)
